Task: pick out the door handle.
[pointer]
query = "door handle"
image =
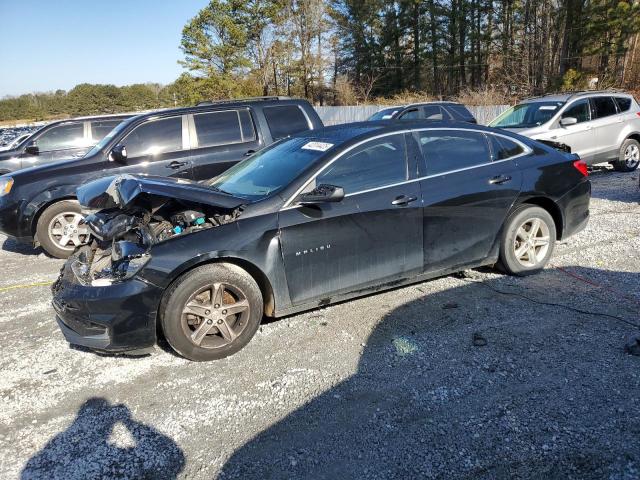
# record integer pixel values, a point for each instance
(403, 200)
(175, 165)
(249, 153)
(499, 179)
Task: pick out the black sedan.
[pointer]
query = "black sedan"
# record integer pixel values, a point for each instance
(314, 219)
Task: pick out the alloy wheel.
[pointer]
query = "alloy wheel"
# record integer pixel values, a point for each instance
(531, 242)
(67, 230)
(632, 156)
(215, 315)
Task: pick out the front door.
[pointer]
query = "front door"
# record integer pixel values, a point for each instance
(467, 194)
(373, 236)
(581, 136)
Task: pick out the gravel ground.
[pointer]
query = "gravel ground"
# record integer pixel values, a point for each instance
(482, 376)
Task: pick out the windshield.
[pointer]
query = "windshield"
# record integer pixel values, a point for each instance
(385, 114)
(103, 143)
(270, 170)
(527, 115)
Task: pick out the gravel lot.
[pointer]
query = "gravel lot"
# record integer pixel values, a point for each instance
(391, 385)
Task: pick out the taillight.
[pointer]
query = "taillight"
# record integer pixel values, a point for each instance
(581, 167)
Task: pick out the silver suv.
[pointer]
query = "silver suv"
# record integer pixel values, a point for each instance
(599, 126)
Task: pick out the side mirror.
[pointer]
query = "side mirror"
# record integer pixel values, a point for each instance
(566, 121)
(118, 154)
(32, 148)
(322, 194)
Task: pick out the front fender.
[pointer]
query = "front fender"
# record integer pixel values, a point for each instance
(32, 208)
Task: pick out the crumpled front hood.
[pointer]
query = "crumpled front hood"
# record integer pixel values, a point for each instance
(120, 191)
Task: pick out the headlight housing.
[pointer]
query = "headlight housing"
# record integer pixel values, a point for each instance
(6, 183)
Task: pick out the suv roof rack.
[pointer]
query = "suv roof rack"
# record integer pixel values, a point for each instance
(235, 100)
(577, 93)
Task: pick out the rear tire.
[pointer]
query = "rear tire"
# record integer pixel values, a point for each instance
(628, 157)
(59, 229)
(527, 242)
(211, 312)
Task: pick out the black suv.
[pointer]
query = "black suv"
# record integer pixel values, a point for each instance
(450, 111)
(38, 205)
(58, 141)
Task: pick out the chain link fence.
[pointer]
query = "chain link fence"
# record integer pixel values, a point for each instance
(338, 115)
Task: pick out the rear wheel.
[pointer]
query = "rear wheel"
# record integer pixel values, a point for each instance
(211, 312)
(527, 242)
(629, 156)
(60, 229)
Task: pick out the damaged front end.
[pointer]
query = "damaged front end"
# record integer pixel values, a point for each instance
(127, 215)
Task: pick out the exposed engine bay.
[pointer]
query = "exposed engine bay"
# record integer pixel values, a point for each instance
(122, 236)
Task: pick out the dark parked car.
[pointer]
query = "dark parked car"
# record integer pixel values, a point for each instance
(38, 205)
(451, 111)
(318, 218)
(58, 141)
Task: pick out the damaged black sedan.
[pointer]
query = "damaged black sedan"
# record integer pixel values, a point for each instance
(315, 219)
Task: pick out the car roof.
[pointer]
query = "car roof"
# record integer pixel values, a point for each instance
(566, 96)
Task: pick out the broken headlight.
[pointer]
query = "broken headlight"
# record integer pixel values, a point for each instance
(127, 258)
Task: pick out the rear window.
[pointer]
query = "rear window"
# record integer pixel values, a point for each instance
(100, 129)
(221, 128)
(504, 148)
(285, 120)
(603, 106)
(446, 150)
(624, 103)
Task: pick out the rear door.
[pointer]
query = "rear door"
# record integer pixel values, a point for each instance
(467, 191)
(373, 235)
(159, 146)
(220, 139)
(607, 124)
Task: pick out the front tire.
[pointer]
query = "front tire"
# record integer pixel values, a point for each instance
(628, 157)
(527, 242)
(211, 312)
(60, 229)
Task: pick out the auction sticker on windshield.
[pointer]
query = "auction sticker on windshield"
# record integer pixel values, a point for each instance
(318, 146)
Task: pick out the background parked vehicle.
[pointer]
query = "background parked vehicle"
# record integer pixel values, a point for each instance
(38, 206)
(428, 111)
(598, 126)
(58, 141)
(318, 218)
(16, 141)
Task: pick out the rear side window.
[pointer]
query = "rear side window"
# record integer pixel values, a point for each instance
(434, 112)
(603, 106)
(62, 137)
(285, 120)
(377, 163)
(579, 110)
(446, 150)
(504, 148)
(100, 129)
(220, 128)
(460, 112)
(624, 103)
(155, 137)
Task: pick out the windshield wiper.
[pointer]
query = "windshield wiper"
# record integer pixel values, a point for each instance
(219, 190)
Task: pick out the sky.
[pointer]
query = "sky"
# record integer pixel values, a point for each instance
(47, 45)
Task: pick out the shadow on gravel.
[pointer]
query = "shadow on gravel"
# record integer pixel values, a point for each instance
(104, 441)
(14, 247)
(472, 383)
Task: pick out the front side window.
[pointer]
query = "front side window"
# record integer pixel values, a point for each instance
(447, 150)
(155, 137)
(624, 103)
(285, 120)
(527, 115)
(62, 137)
(410, 114)
(217, 128)
(385, 114)
(603, 107)
(100, 129)
(377, 163)
(579, 110)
